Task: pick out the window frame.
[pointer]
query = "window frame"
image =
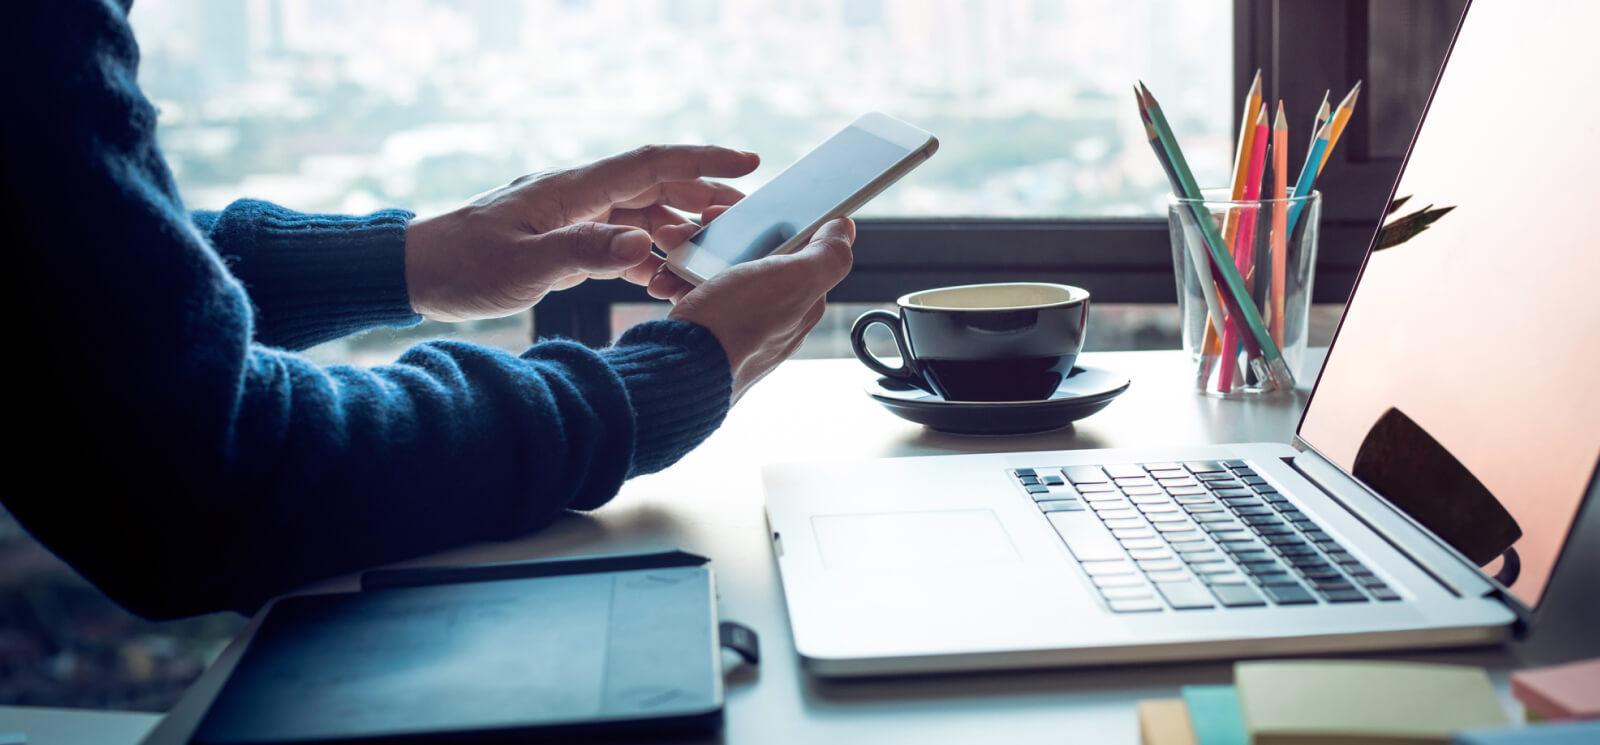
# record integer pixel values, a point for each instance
(1118, 260)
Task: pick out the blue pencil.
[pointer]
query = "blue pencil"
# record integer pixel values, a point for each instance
(1308, 178)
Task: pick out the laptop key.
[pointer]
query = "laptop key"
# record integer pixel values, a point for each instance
(1084, 536)
(1167, 517)
(1289, 594)
(1190, 494)
(1141, 605)
(1220, 526)
(1332, 585)
(1147, 555)
(1139, 592)
(1136, 544)
(1143, 483)
(1028, 480)
(1100, 496)
(1201, 507)
(1235, 464)
(1118, 523)
(1204, 466)
(1385, 593)
(1211, 567)
(1173, 527)
(1226, 494)
(1186, 595)
(1237, 596)
(1101, 568)
(1322, 574)
(1176, 575)
(1063, 505)
(1273, 498)
(1248, 510)
(1177, 483)
(1277, 529)
(1165, 565)
(1123, 471)
(1203, 554)
(1162, 467)
(1117, 580)
(1345, 596)
(1156, 498)
(1277, 579)
(1214, 517)
(1026, 472)
(1216, 485)
(1054, 481)
(1224, 536)
(1151, 509)
(1368, 581)
(1133, 533)
(1141, 492)
(1224, 578)
(1123, 513)
(1085, 475)
(1181, 538)
(1252, 480)
(1102, 505)
(1087, 488)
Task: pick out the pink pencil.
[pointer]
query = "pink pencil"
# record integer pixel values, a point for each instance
(1244, 244)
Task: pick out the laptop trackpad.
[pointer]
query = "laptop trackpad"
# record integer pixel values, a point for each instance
(904, 540)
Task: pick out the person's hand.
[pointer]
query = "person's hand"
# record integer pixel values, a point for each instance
(761, 310)
(502, 252)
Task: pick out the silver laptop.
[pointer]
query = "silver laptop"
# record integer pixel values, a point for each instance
(1474, 338)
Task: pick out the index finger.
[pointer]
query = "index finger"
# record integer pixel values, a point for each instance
(623, 177)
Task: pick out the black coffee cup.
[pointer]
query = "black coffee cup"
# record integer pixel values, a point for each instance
(1012, 341)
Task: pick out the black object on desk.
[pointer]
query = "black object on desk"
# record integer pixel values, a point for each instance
(502, 652)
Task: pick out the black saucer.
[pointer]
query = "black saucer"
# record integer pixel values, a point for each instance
(1085, 391)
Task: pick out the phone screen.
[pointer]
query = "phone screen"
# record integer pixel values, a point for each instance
(815, 184)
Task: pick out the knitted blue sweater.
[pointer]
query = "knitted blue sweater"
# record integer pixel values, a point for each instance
(180, 454)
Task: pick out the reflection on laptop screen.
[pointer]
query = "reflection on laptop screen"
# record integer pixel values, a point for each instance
(1480, 332)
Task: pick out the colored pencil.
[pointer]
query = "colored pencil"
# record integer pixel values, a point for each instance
(1197, 254)
(1280, 221)
(1241, 157)
(1244, 243)
(1341, 117)
(1265, 357)
(1308, 177)
(1323, 112)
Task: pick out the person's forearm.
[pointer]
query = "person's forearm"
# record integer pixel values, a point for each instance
(182, 467)
(310, 277)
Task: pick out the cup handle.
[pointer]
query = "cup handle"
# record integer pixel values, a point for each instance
(907, 370)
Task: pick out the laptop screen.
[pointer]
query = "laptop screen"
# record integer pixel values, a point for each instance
(1478, 335)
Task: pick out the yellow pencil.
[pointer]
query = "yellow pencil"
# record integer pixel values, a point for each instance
(1280, 221)
(1340, 119)
(1247, 130)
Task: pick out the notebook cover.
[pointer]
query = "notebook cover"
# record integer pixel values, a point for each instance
(1559, 733)
(1164, 721)
(1570, 691)
(1350, 701)
(514, 659)
(1214, 715)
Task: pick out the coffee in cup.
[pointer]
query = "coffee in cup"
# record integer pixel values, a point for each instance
(1010, 341)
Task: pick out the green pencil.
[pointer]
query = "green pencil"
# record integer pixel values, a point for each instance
(1266, 359)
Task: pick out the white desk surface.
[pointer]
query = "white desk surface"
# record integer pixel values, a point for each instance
(711, 504)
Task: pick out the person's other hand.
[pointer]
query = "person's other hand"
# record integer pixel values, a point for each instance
(761, 310)
(503, 251)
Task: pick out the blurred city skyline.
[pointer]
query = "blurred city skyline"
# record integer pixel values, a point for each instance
(355, 105)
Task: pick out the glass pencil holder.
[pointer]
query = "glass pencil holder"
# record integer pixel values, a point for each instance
(1273, 245)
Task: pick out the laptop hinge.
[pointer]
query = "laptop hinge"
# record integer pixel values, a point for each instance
(1431, 554)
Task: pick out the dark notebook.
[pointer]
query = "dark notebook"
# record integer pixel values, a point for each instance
(487, 653)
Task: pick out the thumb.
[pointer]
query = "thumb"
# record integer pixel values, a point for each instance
(590, 247)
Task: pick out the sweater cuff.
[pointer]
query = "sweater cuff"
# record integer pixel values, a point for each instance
(679, 384)
(313, 278)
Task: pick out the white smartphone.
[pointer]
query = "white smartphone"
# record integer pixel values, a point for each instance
(834, 180)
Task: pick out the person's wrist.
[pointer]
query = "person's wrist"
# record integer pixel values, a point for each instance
(424, 235)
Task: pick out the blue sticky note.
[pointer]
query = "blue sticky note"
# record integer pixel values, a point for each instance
(1553, 733)
(1214, 715)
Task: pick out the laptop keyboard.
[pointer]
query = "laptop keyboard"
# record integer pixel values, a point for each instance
(1195, 535)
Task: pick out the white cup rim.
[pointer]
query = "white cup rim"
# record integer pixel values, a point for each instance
(1074, 296)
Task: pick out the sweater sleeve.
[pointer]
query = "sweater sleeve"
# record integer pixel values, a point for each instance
(312, 278)
(184, 467)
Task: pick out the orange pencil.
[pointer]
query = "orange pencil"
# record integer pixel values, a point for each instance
(1244, 243)
(1280, 221)
(1340, 119)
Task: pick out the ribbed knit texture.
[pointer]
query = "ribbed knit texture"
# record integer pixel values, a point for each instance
(179, 456)
(313, 278)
